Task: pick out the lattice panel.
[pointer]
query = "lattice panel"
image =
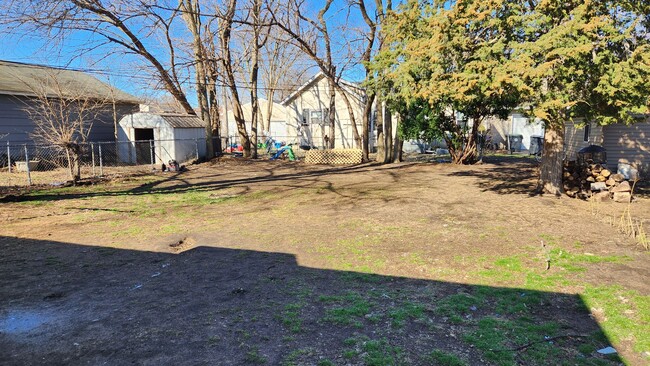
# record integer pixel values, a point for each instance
(334, 157)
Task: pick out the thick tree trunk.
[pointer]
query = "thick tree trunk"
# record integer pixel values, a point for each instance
(550, 171)
(398, 144)
(332, 114)
(353, 120)
(379, 125)
(388, 136)
(367, 120)
(215, 117)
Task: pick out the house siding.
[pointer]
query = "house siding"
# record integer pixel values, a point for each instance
(574, 138)
(317, 98)
(17, 127)
(629, 145)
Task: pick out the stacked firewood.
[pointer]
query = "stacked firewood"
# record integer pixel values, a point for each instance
(595, 180)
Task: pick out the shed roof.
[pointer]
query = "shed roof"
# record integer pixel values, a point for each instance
(183, 120)
(29, 80)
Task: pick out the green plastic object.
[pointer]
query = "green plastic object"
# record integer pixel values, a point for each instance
(292, 157)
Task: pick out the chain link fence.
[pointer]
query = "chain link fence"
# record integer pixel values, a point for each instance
(24, 164)
(34, 164)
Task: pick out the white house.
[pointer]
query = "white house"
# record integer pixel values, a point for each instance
(307, 113)
(145, 138)
(278, 124)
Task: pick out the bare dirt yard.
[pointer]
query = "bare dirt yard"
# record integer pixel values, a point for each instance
(236, 262)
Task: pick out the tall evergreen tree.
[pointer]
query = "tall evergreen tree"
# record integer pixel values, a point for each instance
(451, 57)
(586, 59)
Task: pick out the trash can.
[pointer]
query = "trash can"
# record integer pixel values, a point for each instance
(536, 144)
(514, 142)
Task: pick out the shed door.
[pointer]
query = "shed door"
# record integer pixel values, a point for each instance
(144, 146)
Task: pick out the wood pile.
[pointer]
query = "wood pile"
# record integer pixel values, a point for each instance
(595, 180)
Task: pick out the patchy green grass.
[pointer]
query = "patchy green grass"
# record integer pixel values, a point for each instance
(498, 338)
(254, 356)
(455, 307)
(625, 313)
(373, 352)
(440, 358)
(406, 311)
(350, 309)
(291, 317)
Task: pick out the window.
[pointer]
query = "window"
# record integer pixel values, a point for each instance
(587, 133)
(316, 117)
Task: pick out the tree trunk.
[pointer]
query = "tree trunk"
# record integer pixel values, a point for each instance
(269, 111)
(367, 120)
(353, 120)
(332, 113)
(215, 116)
(379, 125)
(550, 171)
(227, 64)
(388, 136)
(397, 146)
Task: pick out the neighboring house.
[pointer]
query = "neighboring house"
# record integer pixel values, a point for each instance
(302, 117)
(20, 83)
(145, 137)
(516, 125)
(307, 113)
(626, 144)
(278, 126)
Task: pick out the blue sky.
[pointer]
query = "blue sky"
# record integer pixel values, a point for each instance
(122, 70)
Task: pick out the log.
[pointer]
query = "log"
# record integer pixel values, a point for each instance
(610, 182)
(622, 197)
(591, 179)
(618, 177)
(600, 178)
(605, 173)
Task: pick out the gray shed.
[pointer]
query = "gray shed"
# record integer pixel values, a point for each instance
(179, 137)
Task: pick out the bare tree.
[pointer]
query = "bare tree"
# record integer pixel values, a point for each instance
(385, 143)
(63, 117)
(227, 18)
(279, 72)
(313, 37)
(191, 14)
(125, 28)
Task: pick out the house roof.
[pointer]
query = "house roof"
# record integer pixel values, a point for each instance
(315, 79)
(183, 120)
(32, 80)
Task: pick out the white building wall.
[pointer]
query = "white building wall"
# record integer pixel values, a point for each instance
(187, 142)
(316, 98)
(166, 145)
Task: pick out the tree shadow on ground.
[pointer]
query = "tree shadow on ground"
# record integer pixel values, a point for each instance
(504, 177)
(64, 303)
(179, 183)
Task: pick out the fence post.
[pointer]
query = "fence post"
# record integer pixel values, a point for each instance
(152, 154)
(92, 154)
(196, 146)
(29, 175)
(101, 162)
(8, 156)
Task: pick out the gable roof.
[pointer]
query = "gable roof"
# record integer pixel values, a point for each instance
(28, 80)
(315, 79)
(183, 120)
